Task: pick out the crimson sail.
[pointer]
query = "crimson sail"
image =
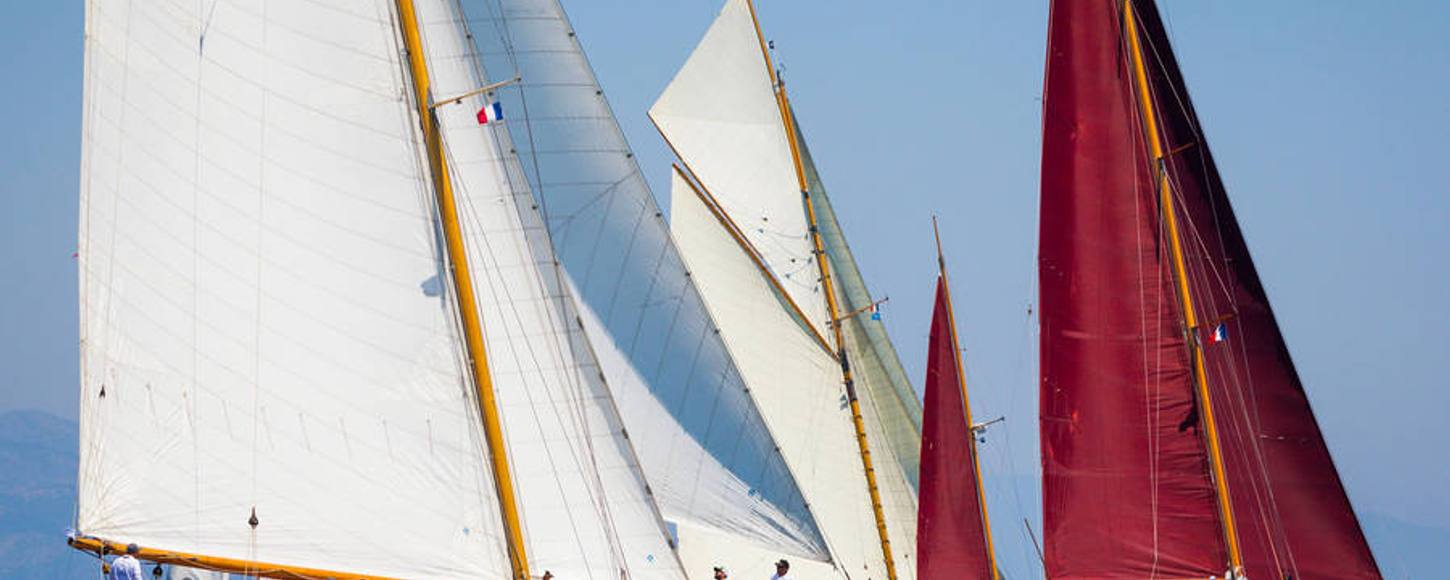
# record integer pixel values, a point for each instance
(1129, 487)
(951, 520)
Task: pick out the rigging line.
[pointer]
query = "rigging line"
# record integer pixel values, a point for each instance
(1235, 394)
(257, 295)
(196, 147)
(1241, 405)
(1152, 402)
(567, 370)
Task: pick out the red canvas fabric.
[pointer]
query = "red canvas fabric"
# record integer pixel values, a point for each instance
(951, 540)
(1127, 492)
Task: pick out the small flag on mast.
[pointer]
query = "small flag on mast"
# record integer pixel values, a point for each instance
(875, 311)
(1220, 333)
(490, 113)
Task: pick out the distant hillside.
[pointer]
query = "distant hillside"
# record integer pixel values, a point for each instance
(37, 494)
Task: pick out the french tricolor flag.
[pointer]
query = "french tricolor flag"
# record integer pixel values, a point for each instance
(876, 311)
(1220, 334)
(490, 113)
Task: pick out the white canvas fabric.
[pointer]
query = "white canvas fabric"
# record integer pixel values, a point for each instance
(797, 385)
(720, 115)
(583, 499)
(702, 443)
(261, 315)
(712, 499)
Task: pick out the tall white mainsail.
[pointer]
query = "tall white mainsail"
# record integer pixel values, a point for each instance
(273, 377)
(724, 118)
(260, 331)
(701, 440)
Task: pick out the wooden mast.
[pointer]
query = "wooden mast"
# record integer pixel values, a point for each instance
(463, 284)
(1185, 295)
(941, 263)
(832, 306)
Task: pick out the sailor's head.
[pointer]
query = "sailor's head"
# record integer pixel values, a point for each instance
(720, 573)
(133, 549)
(782, 566)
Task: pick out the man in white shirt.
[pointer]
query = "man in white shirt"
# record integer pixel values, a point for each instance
(127, 567)
(782, 570)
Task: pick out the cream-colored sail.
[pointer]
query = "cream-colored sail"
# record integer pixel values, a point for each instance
(796, 383)
(273, 378)
(261, 331)
(721, 117)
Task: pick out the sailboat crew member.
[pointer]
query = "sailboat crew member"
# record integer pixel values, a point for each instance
(127, 567)
(782, 570)
(720, 573)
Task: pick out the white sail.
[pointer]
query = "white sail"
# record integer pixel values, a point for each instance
(583, 499)
(710, 507)
(263, 327)
(720, 115)
(796, 383)
(701, 440)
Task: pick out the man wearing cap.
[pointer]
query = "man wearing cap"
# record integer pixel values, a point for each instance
(720, 573)
(127, 567)
(782, 570)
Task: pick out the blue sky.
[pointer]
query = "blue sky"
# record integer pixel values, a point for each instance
(1328, 119)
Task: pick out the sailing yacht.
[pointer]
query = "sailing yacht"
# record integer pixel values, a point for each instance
(326, 331)
(1177, 439)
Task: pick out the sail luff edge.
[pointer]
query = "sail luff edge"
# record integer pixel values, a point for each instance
(463, 283)
(730, 226)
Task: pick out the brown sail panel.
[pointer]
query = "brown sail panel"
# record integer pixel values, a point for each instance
(951, 532)
(1127, 488)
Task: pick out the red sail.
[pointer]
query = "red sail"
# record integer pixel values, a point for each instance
(1127, 491)
(951, 539)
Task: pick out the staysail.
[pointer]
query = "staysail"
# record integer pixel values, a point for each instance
(795, 382)
(1130, 486)
(952, 529)
(709, 458)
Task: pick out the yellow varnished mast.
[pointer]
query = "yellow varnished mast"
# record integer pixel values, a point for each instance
(832, 306)
(463, 284)
(966, 406)
(1185, 295)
